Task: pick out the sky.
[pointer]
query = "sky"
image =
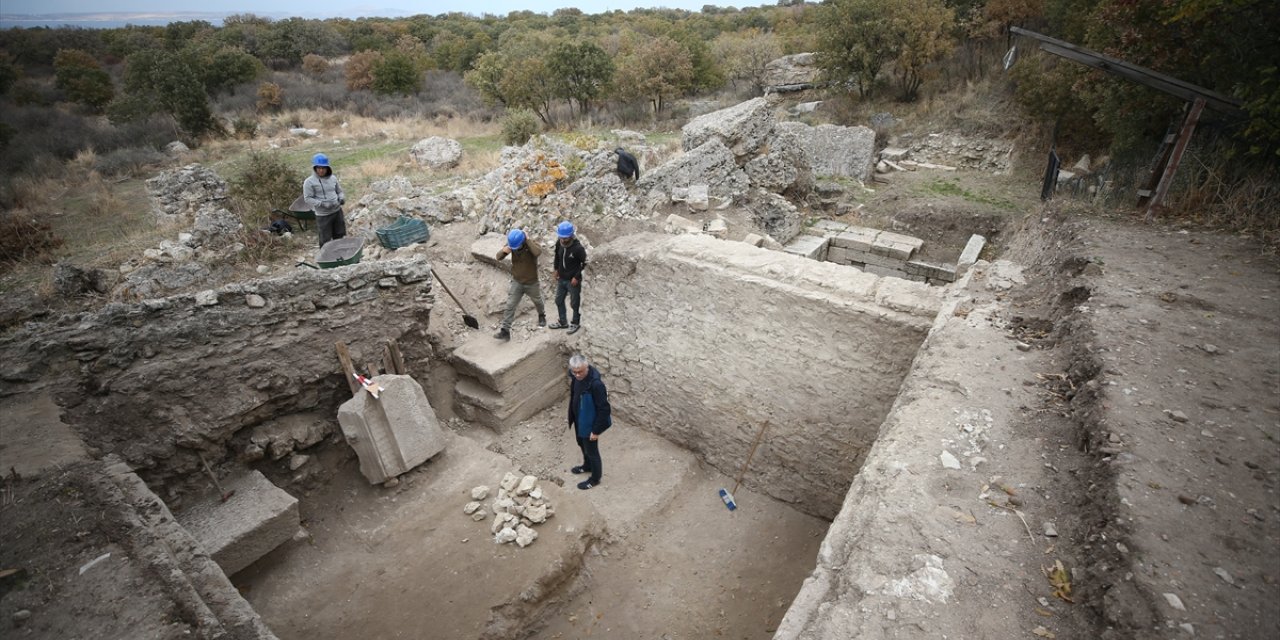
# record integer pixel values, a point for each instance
(351, 8)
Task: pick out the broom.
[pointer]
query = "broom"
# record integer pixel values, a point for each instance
(727, 496)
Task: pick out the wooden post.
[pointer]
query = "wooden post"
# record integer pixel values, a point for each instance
(388, 365)
(348, 370)
(1175, 158)
(397, 358)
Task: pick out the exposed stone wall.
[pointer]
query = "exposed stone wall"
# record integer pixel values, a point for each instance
(162, 379)
(709, 338)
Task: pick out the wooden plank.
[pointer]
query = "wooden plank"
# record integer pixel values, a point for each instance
(1139, 74)
(348, 370)
(372, 368)
(397, 358)
(388, 364)
(1184, 138)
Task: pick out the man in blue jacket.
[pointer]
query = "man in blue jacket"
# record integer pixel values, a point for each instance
(589, 416)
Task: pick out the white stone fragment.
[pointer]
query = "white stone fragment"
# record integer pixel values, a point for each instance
(510, 481)
(1174, 601)
(527, 484)
(949, 461)
(471, 507)
(506, 535)
(525, 536)
(480, 493)
(537, 514)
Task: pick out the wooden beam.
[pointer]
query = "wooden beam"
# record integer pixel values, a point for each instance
(1188, 127)
(397, 358)
(1135, 73)
(348, 370)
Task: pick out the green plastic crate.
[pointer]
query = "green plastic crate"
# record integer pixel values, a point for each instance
(403, 232)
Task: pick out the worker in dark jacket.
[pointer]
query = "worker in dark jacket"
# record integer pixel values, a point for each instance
(589, 416)
(628, 167)
(524, 279)
(571, 258)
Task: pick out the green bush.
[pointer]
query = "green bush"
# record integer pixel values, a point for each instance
(518, 126)
(267, 182)
(397, 73)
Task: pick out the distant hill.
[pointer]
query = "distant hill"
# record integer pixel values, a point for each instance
(117, 19)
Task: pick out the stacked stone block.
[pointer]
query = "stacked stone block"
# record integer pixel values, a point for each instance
(500, 387)
(881, 253)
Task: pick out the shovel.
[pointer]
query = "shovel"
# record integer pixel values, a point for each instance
(727, 496)
(467, 318)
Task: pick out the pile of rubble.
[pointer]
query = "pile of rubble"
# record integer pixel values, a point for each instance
(518, 506)
(534, 187)
(947, 152)
(186, 190)
(192, 192)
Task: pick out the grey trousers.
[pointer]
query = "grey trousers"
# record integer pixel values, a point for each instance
(330, 227)
(517, 290)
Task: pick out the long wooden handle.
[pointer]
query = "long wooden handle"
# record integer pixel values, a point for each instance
(759, 436)
(446, 290)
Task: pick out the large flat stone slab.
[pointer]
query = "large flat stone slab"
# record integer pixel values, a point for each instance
(478, 403)
(503, 366)
(257, 518)
(393, 433)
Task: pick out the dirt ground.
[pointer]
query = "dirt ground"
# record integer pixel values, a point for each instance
(1185, 326)
(392, 562)
(1151, 440)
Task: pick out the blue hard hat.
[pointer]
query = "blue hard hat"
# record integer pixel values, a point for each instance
(564, 229)
(321, 160)
(515, 238)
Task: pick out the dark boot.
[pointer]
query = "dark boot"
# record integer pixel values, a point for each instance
(503, 334)
(542, 321)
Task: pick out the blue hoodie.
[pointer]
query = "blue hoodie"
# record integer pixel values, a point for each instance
(589, 406)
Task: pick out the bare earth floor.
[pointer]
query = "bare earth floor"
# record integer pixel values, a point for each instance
(392, 562)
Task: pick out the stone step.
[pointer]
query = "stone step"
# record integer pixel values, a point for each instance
(510, 367)
(257, 518)
(477, 403)
(806, 246)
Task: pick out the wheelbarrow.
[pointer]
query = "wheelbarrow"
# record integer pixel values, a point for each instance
(298, 210)
(337, 253)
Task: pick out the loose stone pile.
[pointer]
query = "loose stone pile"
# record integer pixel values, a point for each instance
(518, 506)
(186, 190)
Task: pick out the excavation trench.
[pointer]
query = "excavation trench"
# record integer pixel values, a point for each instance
(702, 342)
(706, 342)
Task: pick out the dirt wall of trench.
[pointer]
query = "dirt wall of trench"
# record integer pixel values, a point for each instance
(161, 380)
(708, 339)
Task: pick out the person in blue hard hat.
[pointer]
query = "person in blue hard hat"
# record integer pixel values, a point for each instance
(324, 195)
(571, 258)
(524, 279)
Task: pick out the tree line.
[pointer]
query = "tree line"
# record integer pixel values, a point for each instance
(539, 62)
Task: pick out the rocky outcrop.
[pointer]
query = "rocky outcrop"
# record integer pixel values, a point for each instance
(833, 150)
(743, 128)
(792, 73)
(711, 164)
(186, 190)
(436, 152)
